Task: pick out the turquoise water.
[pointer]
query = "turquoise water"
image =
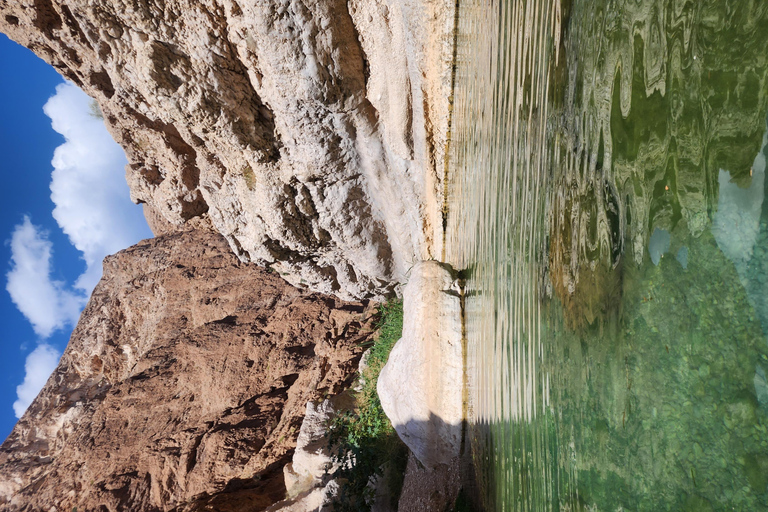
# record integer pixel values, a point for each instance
(607, 175)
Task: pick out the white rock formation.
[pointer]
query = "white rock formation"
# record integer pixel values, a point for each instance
(312, 132)
(421, 386)
(316, 499)
(312, 458)
(308, 480)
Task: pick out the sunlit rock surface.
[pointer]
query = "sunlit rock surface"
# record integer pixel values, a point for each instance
(183, 387)
(309, 478)
(422, 383)
(312, 133)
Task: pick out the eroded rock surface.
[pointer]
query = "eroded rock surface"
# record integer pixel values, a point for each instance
(309, 481)
(183, 387)
(421, 386)
(312, 132)
(312, 461)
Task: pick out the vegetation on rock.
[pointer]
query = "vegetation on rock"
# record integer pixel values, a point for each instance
(367, 447)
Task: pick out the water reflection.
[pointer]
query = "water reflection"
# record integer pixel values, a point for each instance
(737, 219)
(608, 174)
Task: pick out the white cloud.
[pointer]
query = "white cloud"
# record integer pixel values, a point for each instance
(46, 303)
(40, 363)
(737, 220)
(93, 208)
(88, 187)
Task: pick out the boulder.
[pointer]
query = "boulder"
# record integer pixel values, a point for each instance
(421, 386)
(316, 499)
(308, 478)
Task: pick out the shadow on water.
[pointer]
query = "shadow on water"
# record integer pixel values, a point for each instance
(608, 198)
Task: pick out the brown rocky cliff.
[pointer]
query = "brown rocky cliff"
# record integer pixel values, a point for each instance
(312, 132)
(183, 386)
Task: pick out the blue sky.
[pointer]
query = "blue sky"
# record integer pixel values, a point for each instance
(66, 205)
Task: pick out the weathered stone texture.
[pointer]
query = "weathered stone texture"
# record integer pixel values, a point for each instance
(183, 387)
(421, 387)
(312, 132)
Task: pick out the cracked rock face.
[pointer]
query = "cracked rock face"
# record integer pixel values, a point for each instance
(183, 386)
(311, 132)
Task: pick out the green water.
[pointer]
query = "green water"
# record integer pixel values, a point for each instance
(607, 201)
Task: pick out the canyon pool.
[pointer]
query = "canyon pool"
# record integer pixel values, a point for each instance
(607, 204)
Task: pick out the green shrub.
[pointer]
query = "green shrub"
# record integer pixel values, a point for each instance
(94, 110)
(367, 445)
(250, 177)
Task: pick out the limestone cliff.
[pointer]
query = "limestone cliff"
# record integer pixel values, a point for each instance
(310, 132)
(183, 386)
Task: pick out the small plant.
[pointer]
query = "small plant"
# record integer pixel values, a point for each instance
(250, 178)
(367, 447)
(94, 110)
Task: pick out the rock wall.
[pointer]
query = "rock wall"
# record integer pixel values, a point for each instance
(183, 387)
(310, 132)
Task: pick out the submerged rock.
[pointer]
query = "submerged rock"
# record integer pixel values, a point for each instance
(183, 386)
(761, 388)
(421, 386)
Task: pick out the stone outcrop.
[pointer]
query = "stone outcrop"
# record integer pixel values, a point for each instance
(316, 499)
(183, 387)
(312, 459)
(309, 481)
(421, 386)
(311, 132)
